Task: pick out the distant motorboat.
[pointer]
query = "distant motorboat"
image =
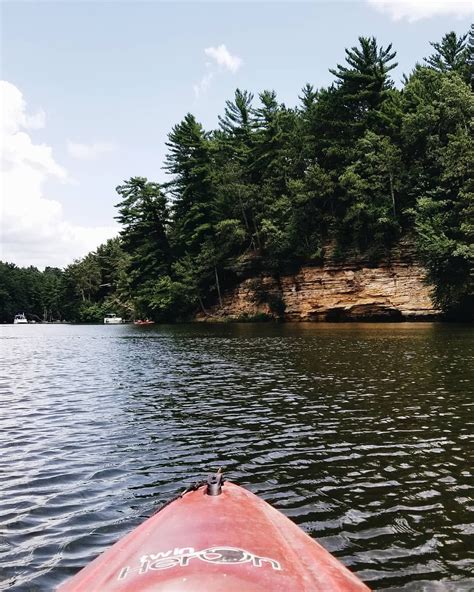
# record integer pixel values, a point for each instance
(20, 319)
(142, 322)
(112, 319)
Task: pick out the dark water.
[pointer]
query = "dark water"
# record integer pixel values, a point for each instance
(362, 434)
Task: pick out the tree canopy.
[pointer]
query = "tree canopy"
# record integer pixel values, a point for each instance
(348, 172)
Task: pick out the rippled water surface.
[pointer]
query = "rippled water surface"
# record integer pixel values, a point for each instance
(362, 434)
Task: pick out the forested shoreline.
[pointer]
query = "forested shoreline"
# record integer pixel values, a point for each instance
(348, 172)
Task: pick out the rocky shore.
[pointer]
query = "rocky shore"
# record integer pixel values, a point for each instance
(394, 290)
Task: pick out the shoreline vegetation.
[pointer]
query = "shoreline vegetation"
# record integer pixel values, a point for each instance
(354, 170)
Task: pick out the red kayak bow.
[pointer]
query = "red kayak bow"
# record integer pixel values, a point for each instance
(217, 538)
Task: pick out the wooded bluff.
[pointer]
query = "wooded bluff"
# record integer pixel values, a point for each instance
(353, 172)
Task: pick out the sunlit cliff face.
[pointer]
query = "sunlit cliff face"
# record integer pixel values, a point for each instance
(34, 228)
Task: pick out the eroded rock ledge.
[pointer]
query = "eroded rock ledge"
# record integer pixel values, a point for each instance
(334, 292)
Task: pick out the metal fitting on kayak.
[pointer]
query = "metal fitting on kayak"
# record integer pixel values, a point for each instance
(214, 484)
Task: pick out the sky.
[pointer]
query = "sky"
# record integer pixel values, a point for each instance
(91, 89)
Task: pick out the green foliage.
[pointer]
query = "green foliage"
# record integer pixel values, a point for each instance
(85, 275)
(92, 312)
(452, 55)
(259, 317)
(20, 291)
(364, 79)
(189, 161)
(362, 86)
(238, 119)
(143, 214)
(372, 185)
(312, 212)
(439, 152)
(163, 300)
(450, 259)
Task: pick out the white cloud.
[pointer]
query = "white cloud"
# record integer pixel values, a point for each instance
(414, 10)
(34, 230)
(224, 58)
(89, 151)
(13, 112)
(201, 87)
(35, 121)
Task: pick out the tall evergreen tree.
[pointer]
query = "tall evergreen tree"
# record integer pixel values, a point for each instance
(364, 81)
(354, 103)
(238, 121)
(237, 198)
(470, 56)
(305, 140)
(86, 275)
(235, 142)
(144, 216)
(451, 55)
(189, 161)
(273, 159)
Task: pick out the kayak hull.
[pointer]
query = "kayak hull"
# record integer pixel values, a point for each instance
(231, 542)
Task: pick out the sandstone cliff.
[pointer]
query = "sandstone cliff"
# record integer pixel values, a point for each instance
(393, 290)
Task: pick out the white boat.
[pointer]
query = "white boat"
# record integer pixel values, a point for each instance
(112, 319)
(20, 319)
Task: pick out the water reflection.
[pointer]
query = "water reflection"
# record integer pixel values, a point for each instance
(360, 433)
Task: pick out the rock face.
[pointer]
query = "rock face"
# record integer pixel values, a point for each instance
(334, 292)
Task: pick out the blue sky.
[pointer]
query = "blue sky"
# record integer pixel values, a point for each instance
(102, 84)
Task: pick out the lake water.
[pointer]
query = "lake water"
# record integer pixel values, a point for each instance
(360, 433)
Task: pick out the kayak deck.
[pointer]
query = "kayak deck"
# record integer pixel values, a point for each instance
(232, 542)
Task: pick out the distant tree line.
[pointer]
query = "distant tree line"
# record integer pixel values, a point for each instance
(82, 292)
(357, 165)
